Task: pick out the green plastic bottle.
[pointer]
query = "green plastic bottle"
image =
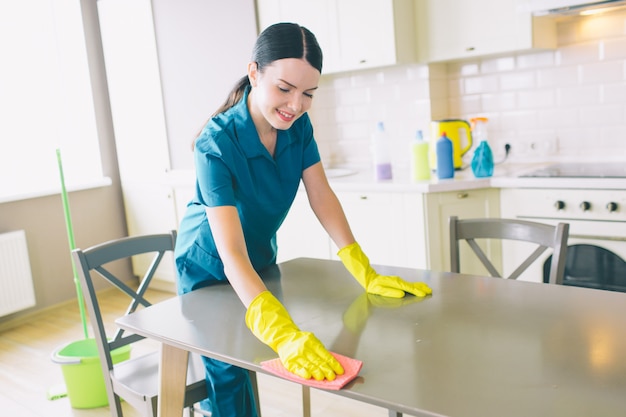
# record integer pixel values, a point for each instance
(420, 165)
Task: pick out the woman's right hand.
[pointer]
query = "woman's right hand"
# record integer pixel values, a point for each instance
(301, 353)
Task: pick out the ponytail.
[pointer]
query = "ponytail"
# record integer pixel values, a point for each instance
(235, 95)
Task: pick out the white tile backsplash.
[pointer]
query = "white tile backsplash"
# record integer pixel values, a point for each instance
(497, 65)
(558, 76)
(578, 95)
(518, 80)
(613, 93)
(615, 48)
(602, 72)
(573, 98)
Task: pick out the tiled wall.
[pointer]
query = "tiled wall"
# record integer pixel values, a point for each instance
(563, 104)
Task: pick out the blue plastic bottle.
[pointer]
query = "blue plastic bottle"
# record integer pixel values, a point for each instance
(445, 163)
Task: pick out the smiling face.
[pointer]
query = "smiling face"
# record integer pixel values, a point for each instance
(281, 93)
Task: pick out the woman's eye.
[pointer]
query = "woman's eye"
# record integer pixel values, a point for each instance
(309, 95)
(284, 90)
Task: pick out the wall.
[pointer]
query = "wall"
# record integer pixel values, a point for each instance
(97, 214)
(563, 104)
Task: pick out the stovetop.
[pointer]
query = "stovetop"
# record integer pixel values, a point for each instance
(581, 170)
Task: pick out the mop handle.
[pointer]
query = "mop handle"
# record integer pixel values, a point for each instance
(70, 237)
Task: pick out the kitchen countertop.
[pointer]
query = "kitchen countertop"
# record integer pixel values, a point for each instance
(506, 175)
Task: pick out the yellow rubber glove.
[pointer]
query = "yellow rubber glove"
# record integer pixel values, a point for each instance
(359, 266)
(301, 353)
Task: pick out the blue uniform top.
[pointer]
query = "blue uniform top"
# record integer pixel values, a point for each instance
(233, 168)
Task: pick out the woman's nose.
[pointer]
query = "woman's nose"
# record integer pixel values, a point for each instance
(295, 102)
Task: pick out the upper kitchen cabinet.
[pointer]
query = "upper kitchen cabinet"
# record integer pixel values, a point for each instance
(353, 34)
(453, 30)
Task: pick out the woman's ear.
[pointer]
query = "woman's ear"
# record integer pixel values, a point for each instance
(253, 73)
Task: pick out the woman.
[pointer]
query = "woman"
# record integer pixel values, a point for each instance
(250, 158)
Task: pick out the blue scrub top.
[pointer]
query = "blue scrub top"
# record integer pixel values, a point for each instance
(233, 168)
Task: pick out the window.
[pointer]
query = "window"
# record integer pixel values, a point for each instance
(45, 99)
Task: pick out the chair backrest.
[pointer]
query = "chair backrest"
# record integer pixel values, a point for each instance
(544, 235)
(96, 261)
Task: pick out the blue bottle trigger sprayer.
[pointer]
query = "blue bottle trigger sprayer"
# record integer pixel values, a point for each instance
(482, 161)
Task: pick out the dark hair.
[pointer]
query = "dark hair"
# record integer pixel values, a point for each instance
(278, 41)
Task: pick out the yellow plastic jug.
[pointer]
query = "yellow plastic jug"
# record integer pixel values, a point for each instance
(458, 131)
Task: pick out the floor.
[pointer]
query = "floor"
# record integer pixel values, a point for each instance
(28, 375)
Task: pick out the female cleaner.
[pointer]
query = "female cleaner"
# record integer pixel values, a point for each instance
(249, 160)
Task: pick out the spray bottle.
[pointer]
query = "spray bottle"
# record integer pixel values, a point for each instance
(482, 161)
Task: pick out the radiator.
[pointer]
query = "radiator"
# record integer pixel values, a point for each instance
(16, 282)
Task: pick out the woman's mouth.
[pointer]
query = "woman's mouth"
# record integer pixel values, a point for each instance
(287, 117)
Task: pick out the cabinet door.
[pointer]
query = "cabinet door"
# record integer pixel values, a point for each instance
(353, 34)
(463, 204)
(319, 16)
(417, 251)
(376, 221)
(366, 33)
(301, 234)
(450, 29)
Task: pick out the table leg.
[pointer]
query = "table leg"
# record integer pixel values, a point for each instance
(306, 401)
(172, 381)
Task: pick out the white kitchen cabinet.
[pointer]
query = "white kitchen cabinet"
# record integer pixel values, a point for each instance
(353, 34)
(376, 219)
(452, 29)
(464, 204)
(301, 234)
(404, 229)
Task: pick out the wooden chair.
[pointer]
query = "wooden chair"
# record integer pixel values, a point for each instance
(135, 380)
(544, 235)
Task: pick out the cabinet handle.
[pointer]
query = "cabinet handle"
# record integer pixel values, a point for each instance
(461, 196)
(470, 49)
(363, 197)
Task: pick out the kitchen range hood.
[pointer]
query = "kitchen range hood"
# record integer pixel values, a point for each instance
(570, 8)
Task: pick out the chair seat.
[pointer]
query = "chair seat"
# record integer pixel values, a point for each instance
(137, 379)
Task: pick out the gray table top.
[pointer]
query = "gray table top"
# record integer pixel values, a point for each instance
(478, 347)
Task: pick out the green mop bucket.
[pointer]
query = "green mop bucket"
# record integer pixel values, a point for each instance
(82, 372)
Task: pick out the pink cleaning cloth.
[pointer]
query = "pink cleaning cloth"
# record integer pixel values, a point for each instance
(351, 368)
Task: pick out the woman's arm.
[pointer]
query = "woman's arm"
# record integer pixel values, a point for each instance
(231, 246)
(300, 352)
(326, 205)
(327, 208)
